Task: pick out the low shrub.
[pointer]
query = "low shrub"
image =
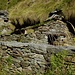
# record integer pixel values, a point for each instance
(60, 66)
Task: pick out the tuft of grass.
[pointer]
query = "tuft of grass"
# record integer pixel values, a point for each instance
(5, 4)
(9, 60)
(67, 1)
(60, 66)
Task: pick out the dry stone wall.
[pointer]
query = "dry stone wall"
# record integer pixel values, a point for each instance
(29, 57)
(29, 51)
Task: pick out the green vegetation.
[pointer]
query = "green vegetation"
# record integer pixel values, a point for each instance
(4, 4)
(74, 39)
(60, 65)
(28, 12)
(67, 1)
(5, 64)
(9, 60)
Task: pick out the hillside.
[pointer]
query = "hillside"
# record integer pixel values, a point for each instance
(5, 4)
(29, 12)
(37, 37)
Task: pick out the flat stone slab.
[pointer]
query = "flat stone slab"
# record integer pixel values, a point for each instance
(43, 47)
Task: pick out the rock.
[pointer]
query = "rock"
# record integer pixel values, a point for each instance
(20, 69)
(55, 15)
(55, 12)
(30, 58)
(4, 31)
(4, 15)
(41, 34)
(31, 50)
(6, 28)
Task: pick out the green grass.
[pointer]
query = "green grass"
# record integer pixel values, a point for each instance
(4, 4)
(60, 66)
(5, 64)
(30, 13)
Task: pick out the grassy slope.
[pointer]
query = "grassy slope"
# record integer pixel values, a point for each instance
(33, 11)
(4, 4)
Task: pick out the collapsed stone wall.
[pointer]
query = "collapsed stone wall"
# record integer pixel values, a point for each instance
(29, 58)
(52, 32)
(30, 51)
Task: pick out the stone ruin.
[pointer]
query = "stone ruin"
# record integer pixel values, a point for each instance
(57, 31)
(54, 31)
(31, 51)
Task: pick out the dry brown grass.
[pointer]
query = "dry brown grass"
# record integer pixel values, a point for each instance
(30, 12)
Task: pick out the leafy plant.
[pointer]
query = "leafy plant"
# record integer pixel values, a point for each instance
(67, 1)
(58, 65)
(9, 60)
(74, 39)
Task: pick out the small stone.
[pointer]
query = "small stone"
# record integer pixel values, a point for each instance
(20, 69)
